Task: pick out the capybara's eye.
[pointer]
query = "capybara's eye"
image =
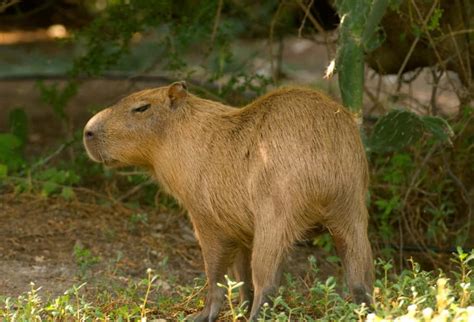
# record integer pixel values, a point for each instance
(141, 108)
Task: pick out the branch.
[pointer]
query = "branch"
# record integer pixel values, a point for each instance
(7, 3)
(415, 42)
(216, 24)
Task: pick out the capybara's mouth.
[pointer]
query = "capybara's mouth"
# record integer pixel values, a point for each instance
(100, 156)
(112, 163)
(93, 152)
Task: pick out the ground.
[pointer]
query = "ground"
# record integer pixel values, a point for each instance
(40, 235)
(41, 238)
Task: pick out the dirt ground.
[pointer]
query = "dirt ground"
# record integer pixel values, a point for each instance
(39, 236)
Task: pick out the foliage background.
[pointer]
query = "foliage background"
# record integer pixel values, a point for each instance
(420, 152)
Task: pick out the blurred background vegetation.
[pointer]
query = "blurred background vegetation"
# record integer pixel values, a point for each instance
(405, 67)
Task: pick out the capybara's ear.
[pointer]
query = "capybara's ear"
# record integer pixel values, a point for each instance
(177, 93)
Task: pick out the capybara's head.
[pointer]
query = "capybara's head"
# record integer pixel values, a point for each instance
(125, 134)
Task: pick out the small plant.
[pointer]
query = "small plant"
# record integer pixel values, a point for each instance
(84, 258)
(12, 143)
(231, 287)
(412, 295)
(137, 219)
(148, 282)
(325, 242)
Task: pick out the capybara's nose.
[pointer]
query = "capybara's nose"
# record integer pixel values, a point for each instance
(94, 127)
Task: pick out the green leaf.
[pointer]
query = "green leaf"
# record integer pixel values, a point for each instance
(395, 131)
(434, 22)
(399, 129)
(67, 193)
(9, 141)
(10, 153)
(57, 96)
(62, 177)
(19, 124)
(49, 188)
(3, 171)
(438, 127)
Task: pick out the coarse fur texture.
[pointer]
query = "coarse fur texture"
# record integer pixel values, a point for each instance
(253, 179)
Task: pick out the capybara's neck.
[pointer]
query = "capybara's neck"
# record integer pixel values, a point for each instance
(192, 140)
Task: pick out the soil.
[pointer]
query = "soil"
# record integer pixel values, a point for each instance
(39, 236)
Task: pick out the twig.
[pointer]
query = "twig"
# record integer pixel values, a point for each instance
(316, 25)
(379, 87)
(132, 173)
(270, 39)
(83, 189)
(303, 22)
(23, 15)
(206, 91)
(313, 20)
(464, 193)
(415, 42)
(413, 184)
(433, 45)
(465, 126)
(193, 295)
(65, 77)
(216, 24)
(7, 3)
(433, 109)
(410, 78)
(375, 101)
(119, 77)
(52, 155)
(466, 70)
(401, 244)
(454, 33)
(134, 190)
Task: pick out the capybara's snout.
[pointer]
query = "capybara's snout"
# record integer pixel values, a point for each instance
(93, 137)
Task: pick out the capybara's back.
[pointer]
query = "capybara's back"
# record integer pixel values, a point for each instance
(254, 179)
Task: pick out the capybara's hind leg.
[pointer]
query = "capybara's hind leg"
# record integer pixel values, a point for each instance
(353, 246)
(243, 273)
(267, 257)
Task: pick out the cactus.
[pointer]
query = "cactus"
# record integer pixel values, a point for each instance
(399, 129)
(359, 21)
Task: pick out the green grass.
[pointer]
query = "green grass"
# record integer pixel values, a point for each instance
(412, 295)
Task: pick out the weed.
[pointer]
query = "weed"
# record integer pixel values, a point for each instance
(84, 258)
(231, 287)
(412, 295)
(148, 282)
(137, 219)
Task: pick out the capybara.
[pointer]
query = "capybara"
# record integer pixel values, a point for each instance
(253, 179)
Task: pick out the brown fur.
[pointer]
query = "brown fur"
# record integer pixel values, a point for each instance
(253, 179)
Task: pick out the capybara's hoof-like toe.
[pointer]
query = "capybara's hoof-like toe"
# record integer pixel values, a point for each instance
(199, 317)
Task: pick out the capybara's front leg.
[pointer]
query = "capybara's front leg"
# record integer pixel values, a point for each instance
(218, 254)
